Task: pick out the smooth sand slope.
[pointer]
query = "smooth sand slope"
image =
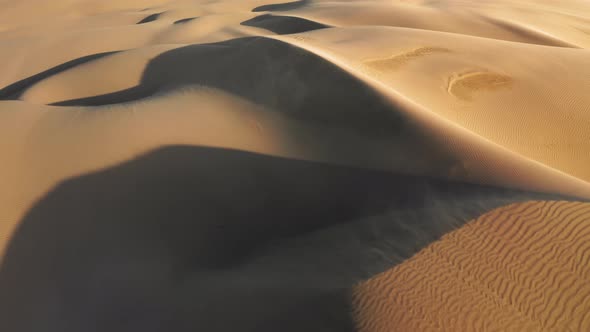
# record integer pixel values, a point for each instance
(334, 139)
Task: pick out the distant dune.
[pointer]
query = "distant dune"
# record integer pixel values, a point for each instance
(249, 165)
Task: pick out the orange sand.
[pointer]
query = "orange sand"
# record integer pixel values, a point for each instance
(523, 267)
(484, 92)
(481, 81)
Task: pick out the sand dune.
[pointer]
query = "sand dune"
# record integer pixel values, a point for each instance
(522, 267)
(345, 146)
(152, 243)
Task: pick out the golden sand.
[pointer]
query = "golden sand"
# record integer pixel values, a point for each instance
(484, 92)
(523, 267)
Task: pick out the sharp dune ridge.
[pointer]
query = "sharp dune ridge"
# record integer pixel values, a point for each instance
(313, 165)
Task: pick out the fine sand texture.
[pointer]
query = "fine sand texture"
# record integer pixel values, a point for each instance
(314, 165)
(522, 267)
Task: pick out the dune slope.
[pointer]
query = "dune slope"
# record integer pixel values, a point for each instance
(523, 267)
(294, 162)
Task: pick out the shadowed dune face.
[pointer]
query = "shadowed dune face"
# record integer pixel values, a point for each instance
(282, 6)
(305, 92)
(466, 85)
(15, 90)
(283, 24)
(150, 18)
(288, 79)
(153, 244)
(185, 20)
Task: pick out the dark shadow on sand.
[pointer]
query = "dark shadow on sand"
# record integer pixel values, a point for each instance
(283, 24)
(149, 18)
(270, 73)
(185, 20)
(15, 90)
(203, 239)
(282, 6)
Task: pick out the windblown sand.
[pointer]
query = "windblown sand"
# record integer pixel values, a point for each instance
(481, 93)
(523, 267)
